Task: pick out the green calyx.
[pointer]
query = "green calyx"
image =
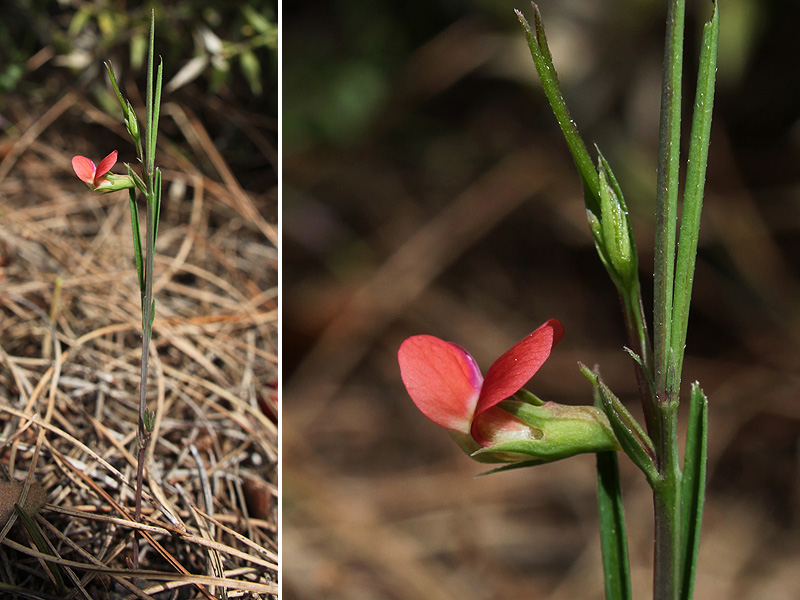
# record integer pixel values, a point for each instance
(557, 431)
(115, 183)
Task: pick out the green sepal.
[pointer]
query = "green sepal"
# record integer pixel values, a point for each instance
(522, 464)
(111, 182)
(471, 448)
(693, 487)
(616, 227)
(556, 431)
(529, 398)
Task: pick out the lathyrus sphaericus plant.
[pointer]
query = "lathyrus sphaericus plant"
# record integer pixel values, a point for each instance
(494, 420)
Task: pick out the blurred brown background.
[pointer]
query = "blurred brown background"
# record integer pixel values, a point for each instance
(428, 189)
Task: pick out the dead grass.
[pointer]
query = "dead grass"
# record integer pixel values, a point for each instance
(69, 363)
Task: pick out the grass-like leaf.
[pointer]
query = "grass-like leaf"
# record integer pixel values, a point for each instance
(543, 61)
(693, 488)
(613, 537)
(633, 439)
(137, 238)
(43, 547)
(695, 184)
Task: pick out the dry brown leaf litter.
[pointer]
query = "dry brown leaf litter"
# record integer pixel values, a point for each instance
(69, 364)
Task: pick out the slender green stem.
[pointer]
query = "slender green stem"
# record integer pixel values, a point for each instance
(667, 551)
(667, 195)
(153, 200)
(639, 339)
(667, 509)
(147, 306)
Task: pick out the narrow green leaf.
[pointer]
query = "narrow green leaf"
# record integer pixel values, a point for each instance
(113, 79)
(511, 466)
(638, 360)
(693, 488)
(42, 546)
(154, 116)
(542, 60)
(667, 194)
(151, 147)
(634, 441)
(137, 238)
(613, 538)
(156, 208)
(140, 185)
(695, 183)
(152, 318)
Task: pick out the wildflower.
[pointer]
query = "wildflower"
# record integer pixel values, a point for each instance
(445, 383)
(97, 177)
(90, 174)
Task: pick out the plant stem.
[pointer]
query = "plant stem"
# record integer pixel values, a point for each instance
(667, 554)
(667, 195)
(639, 341)
(667, 510)
(143, 435)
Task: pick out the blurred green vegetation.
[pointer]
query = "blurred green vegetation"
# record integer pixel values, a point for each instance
(219, 44)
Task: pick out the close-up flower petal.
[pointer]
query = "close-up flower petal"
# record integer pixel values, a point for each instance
(516, 367)
(105, 166)
(442, 379)
(84, 169)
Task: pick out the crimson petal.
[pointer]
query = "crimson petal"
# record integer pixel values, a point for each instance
(516, 367)
(105, 165)
(84, 169)
(442, 379)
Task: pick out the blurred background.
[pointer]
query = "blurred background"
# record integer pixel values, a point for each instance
(428, 190)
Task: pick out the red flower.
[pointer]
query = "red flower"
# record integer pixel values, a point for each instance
(445, 383)
(90, 174)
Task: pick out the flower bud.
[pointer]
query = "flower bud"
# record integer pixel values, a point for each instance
(616, 236)
(132, 123)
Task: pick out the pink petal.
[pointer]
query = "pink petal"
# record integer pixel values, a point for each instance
(105, 165)
(442, 379)
(515, 368)
(84, 169)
